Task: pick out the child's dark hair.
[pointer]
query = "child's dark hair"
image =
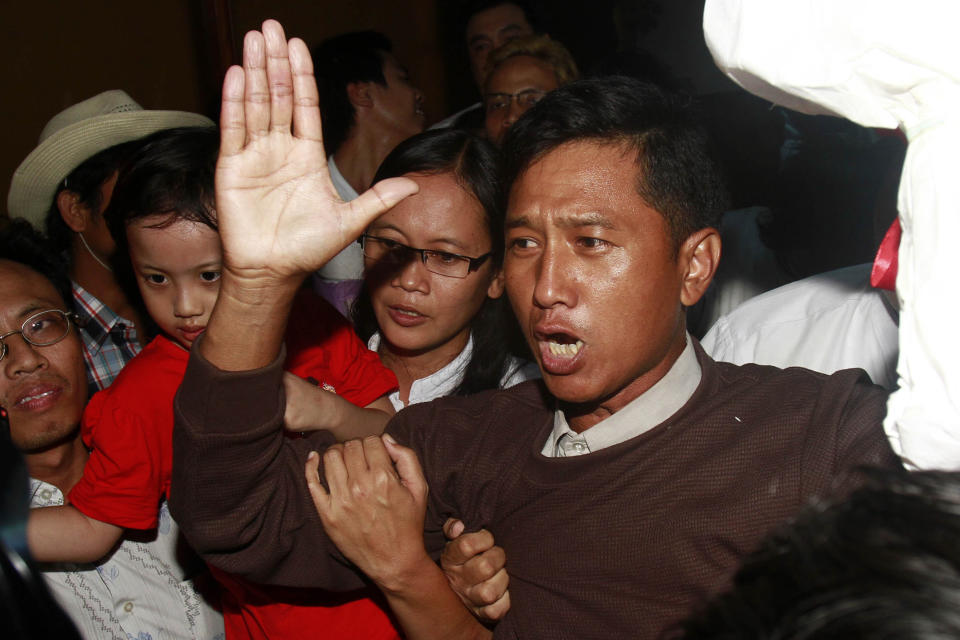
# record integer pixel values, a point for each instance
(170, 174)
(474, 163)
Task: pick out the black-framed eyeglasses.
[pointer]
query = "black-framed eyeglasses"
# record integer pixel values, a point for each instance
(41, 329)
(444, 263)
(493, 102)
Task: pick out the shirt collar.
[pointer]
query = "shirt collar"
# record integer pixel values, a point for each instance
(344, 190)
(436, 385)
(96, 319)
(641, 414)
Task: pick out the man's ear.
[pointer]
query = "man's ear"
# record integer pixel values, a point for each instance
(359, 94)
(495, 290)
(698, 259)
(75, 214)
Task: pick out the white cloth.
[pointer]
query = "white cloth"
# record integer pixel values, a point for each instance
(880, 63)
(827, 322)
(348, 264)
(443, 382)
(641, 414)
(137, 592)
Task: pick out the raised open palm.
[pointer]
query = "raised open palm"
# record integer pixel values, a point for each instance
(279, 214)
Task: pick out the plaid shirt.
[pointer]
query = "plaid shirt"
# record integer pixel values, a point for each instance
(109, 341)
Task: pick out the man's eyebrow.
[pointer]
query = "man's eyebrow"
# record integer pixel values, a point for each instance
(510, 28)
(477, 38)
(592, 219)
(571, 221)
(35, 306)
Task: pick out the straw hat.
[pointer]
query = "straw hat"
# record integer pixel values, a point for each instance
(74, 135)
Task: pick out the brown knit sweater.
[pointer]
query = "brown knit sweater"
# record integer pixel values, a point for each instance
(620, 543)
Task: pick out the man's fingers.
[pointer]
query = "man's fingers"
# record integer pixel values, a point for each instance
(232, 122)
(377, 456)
(321, 499)
(256, 95)
(408, 466)
(374, 201)
(279, 79)
(306, 101)
(497, 610)
(467, 546)
(452, 528)
(335, 471)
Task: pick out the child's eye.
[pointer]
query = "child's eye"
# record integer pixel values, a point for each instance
(210, 276)
(155, 278)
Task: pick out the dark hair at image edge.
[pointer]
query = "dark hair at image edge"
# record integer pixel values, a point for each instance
(21, 243)
(882, 564)
(473, 161)
(677, 173)
(171, 173)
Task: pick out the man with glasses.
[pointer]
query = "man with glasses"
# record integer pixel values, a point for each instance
(43, 388)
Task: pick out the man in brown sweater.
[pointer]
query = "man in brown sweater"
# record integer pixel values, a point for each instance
(624, 489)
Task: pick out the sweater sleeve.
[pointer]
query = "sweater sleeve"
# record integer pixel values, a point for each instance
(238, 490)
(847, 435)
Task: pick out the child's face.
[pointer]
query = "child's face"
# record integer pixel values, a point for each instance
(178, 271)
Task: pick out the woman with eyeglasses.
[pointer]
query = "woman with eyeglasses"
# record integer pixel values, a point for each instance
(432, 303)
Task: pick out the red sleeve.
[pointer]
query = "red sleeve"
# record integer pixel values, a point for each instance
(129, 428)
(322, 344)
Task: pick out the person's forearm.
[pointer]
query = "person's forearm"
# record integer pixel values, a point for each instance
(64, 534)
(247, 325)
(427, 608)
(257, 522)
(345, 420)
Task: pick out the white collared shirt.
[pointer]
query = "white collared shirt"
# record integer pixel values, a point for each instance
(641, 414)
(138, 591)
(443, 382)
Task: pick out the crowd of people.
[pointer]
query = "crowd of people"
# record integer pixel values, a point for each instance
(320, 371)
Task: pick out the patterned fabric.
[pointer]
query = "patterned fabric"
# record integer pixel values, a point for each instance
(139, 591)
(109, 341)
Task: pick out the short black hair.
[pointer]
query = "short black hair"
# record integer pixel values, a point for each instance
(338, 62)
(21, 243)
(474, 163)
(85, 181)
(677, 174)
(473, 7)
(884, 563)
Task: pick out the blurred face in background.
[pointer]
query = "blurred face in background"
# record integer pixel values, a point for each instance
(489, 29)
(511, 89)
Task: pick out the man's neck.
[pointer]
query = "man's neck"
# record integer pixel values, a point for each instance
(581, 417)
(61, 465)
(361, 154)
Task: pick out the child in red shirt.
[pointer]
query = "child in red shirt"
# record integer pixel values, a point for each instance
(161, 216)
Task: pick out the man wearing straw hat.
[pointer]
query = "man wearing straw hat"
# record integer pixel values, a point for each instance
(63, 187)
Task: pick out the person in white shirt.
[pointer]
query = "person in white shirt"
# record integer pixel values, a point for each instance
(432, 303)
(369, 105)
(827, 322)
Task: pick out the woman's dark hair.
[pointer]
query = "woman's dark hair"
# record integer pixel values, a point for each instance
(474, 163)
(171, 174)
